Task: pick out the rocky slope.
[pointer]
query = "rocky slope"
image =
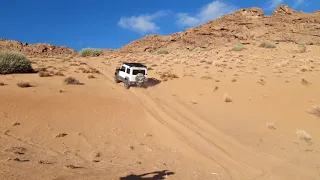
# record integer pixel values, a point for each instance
(245, 26)
(36, 49)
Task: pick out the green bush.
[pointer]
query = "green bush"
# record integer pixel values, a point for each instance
(14, 62)
(267, 45)
(238, 47)
(302, 47)
(162, 51)
(90, 52)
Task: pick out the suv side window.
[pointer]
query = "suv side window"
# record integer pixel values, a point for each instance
(128, 70)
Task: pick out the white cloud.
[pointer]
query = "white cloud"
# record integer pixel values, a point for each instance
(142, 23)
(274, 3)
(207, 13)
(298, 2)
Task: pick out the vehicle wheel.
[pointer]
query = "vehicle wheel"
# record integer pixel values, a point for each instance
(126, 84)
(116, 78)
(145, 85)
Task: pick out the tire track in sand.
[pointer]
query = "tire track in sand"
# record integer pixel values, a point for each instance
(196, 135)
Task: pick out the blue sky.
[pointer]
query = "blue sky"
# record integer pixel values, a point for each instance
(111, 24)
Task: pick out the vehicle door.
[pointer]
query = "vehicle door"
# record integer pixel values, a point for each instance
(122, 72)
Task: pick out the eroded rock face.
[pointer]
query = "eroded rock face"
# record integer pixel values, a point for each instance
(245, 25)
(36, 49)
(254, 12)
(283, 10)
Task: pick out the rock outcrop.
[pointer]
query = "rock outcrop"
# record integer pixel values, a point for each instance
(36, 49)
(245, 25)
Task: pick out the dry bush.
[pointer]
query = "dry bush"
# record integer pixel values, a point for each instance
(227, 98)
(305, 82)
(14, 62)
(168, 76)
(238, 47)
(267, 45)
(209, 62)
(58, 73)
(2, 84)
(91, 76)
(302, 47)
(262, 82)
(92, 52)
(301, 134)
(162, 51)
(44, 74)
(206, 77)
(90, 70)
(71, 80)
(23, 84)
(304, 68)
(271, 125)
(315, 110)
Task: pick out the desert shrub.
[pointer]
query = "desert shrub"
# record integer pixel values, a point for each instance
(2, 84)
(59, 73)
(91, 76)
(302, 47)
(71, 80)
(238, 47)
(301, 134)
(90, 52)
(162, 51)
(267, 45)
(44, 74)
(23, 84)
(315, 110)
(14, 62)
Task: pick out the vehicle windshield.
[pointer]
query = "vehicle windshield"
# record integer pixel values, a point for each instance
(137, 71)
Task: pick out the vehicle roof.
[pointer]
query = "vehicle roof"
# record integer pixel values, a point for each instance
(134, 64)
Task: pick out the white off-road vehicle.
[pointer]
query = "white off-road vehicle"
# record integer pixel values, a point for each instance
(132, 74)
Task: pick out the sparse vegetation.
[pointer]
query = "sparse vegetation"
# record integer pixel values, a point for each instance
(301, 134)
(162, 51)
(59, 73)
(44, 74)
(71, 80)
(91, 76)
(2, 84)
(315, 110)
(14, 62)
(238, 47)
(90, 70)
(168, 76)
(267, 45)
(302, 47)
(23, 84)
(91, 52)
(304, 81)
(271, 126)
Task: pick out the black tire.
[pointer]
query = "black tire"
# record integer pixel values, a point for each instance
(126, 84)
(116, 79)
(145, 85)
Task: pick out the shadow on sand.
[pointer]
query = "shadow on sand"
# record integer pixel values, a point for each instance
(156, 176)
(153, 82)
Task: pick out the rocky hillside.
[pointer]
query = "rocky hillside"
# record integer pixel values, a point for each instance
(36, 49)
(245, 26)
